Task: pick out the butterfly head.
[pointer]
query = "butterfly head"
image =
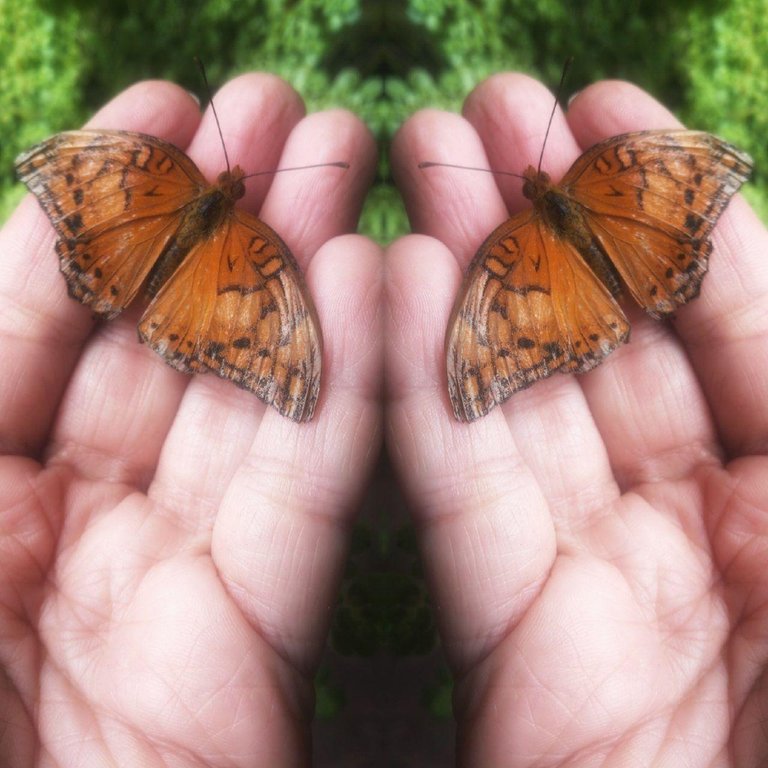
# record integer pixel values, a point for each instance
(536, 183)
(231, 183)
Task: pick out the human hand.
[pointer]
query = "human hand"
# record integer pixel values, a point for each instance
(596, 546)
(171, 546)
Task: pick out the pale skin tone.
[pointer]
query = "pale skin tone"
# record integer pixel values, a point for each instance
(597, 546)
(170, 547)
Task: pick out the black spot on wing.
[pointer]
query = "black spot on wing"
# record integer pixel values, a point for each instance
(693, 223)
(552, 349)
(215, 349)
(74, 223)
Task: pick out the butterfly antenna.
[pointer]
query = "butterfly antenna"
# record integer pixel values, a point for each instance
(213, 109)
(432, 164)
(559, 93)
(335, 164)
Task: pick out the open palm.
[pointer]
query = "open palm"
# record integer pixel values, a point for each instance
(169, 546)
(597, 545)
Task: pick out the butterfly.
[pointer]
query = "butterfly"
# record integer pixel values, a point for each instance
(632, 215)
(134, 216)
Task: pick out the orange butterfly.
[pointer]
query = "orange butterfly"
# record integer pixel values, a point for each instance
(633, 214)
(134, 214)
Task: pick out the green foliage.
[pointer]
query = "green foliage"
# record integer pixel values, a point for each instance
(439, 695)
(42, 70)
(383, 59)
(728, 61)
(384, 606)
(329, 697)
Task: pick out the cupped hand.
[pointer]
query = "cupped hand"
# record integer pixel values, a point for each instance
(170, 546)
(597, 545)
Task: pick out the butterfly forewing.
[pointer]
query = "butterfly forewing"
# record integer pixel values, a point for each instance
(111, 197)
(530, 306)
(247, 318)
(652, 199)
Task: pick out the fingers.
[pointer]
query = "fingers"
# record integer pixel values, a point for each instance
(475, 499)
(265, 129)
(257, 113)
(646, 400)
(653, 374)
(191, 478)
(550, 423)
(43, 330)
(310, 207)
(634, 400)
(510, 113)
(122, 397)
(715, 365)
(459, 208)
(280, 535)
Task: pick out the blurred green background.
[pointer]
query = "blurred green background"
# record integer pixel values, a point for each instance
(706, 59)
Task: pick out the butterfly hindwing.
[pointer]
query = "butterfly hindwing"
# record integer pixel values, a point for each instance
(111, 197)
(529, 306)
(652, 199)
(236, 306)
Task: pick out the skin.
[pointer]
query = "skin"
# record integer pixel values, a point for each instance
(597, 545)
(170, 547)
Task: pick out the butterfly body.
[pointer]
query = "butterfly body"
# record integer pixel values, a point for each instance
(206, 213)
(632, 217)
(134, 215)
(566, 217)
(200, 219)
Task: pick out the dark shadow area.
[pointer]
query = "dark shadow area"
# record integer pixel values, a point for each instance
(383, 692)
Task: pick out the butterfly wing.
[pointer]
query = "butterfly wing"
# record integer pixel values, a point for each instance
(237, 306)
(652, 199)
(112, 197)
(529, 306)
